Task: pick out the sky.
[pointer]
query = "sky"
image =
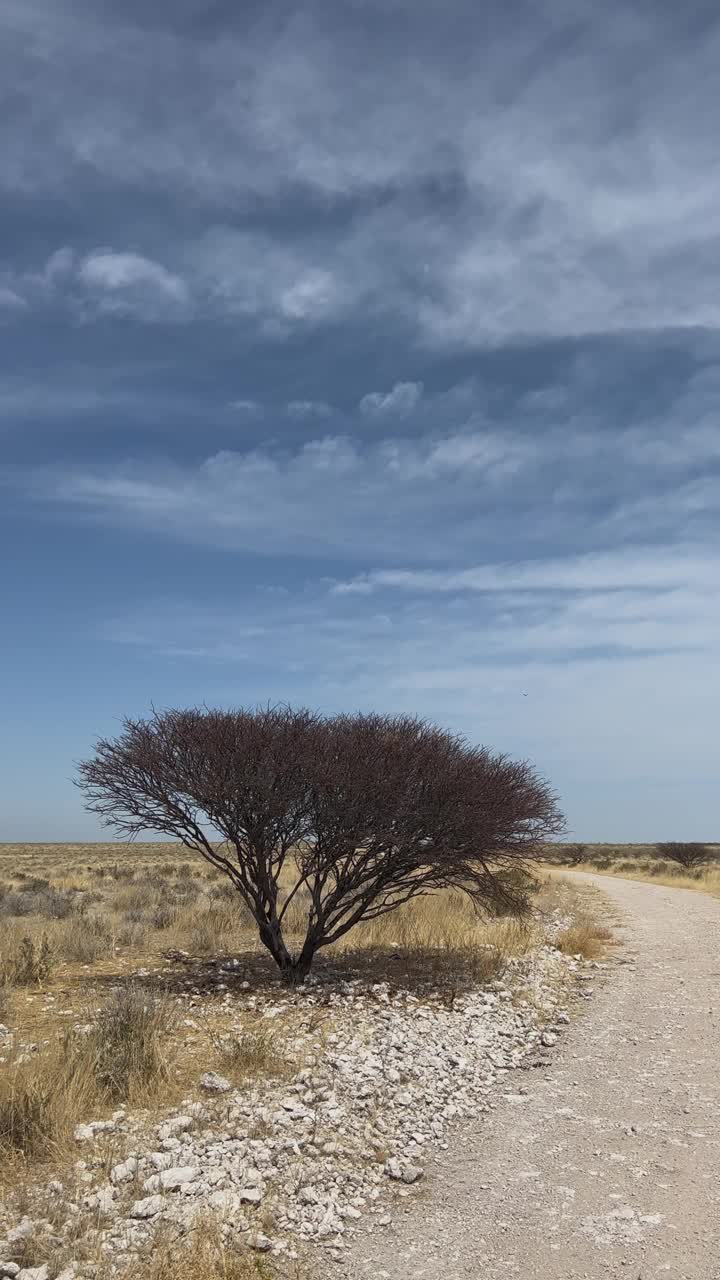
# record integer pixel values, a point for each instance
(364, 355)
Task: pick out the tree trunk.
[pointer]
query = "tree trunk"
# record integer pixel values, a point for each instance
(296, 971)
(293, 969)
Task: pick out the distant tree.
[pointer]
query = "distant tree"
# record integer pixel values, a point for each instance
(687, 854)
(346, 816)
(571, 855)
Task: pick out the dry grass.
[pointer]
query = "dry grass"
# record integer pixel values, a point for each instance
(585, 937)
(42, 1097)
(252, 1055)
(131, 934)
(640, 862)
(205, 1254)
(120, 1059)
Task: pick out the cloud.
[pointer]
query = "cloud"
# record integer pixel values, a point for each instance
(308, 409)
(110, 271)
(642, 568)
(11, 301)
(400, 177)
(463, 498)
(251, 407)
(403, 398)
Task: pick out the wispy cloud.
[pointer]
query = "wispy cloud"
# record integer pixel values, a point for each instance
(304, 409)
(400, 401)
(10, 300)
(448, 499)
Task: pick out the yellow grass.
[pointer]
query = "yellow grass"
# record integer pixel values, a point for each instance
(101, 914)
(704, 880)
(205, 1254)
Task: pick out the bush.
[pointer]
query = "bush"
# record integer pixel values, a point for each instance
(27, 964)
(124, 1049)
(685, 854)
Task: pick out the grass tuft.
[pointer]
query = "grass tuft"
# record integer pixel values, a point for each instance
(583, 938)
(125, 1048)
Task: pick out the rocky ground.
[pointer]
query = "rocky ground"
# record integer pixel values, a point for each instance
(293, 1165)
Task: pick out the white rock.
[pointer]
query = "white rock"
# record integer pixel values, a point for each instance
(170, 1179)
(124, 1172)
(249, 1195)
(103, 1201)
(261, 1243)
(548, 1038)
(160, 1160)
(211, 1082)
(26, 1227)
(177, 1124)
(34, 1273)
(9, 1269)
(150, 1207)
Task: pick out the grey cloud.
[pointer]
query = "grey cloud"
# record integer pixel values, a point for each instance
(401, 400)
(597, 217)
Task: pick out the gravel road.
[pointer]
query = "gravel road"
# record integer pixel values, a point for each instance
(608, 1163)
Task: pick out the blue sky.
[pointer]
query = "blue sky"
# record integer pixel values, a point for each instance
(365, 355)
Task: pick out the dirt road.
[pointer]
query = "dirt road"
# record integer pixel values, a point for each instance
(609, 1165)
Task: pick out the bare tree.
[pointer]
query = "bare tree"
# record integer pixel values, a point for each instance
(349, 816)
(571, 855)
(687, 853)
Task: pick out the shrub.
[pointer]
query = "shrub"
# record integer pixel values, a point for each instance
(41, 1099)
(571, 855)
(124, 1049)
(686, 854)
(363, 812)
(85, 945)
(27, 964)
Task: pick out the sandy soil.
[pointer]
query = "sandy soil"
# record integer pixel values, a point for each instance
(607, 1162)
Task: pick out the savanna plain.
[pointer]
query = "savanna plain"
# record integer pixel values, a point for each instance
(167, 1108)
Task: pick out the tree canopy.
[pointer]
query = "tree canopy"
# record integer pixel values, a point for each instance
(348, 815)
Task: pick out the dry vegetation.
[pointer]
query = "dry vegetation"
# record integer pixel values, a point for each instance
(642, 862)
(126, 971)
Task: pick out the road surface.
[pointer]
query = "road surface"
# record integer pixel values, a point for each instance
(609, 1166)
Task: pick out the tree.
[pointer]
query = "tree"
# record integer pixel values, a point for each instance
(349, 816)
(688, 854)
(571, 855)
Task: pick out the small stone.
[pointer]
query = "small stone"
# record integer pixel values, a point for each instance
(548, 1039)
(249, 1195)
(211, 1082)
(400, 1172)
(160, 1160)
(102, 1201)
(124, 1172)
(9, 1270)
(26, 1227)
(34, 1273)
(150, 1207)
(261, 1243)
(170, 1179)
(171, 1128)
